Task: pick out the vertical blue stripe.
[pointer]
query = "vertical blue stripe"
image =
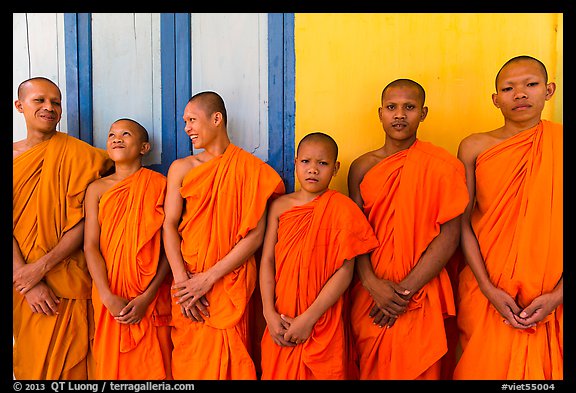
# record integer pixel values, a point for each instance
(276, 92)
(183, 82)
(71, 56)
(289, 101)
(85, 99)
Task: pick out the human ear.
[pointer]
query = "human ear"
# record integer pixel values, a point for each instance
(336, 168)
(145, 148)
(18, 106)
(550, 89)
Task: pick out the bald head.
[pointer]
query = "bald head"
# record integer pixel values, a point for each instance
(323, 138)
(518, 59)
(23, 87)
(134, 126)
(405, 83)
(210, 102)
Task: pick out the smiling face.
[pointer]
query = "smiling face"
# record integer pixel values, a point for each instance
(522, 91)
(401, 112)
(126, 141)
(200, 126)
(40, 101)
(316, 165)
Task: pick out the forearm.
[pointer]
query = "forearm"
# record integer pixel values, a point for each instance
(474, 259)
(70, 243)
(331, 292)
(172, 244)
(161, 272)
(97, 268)
(267, 285)
(238, 255)
(365, 272)
(435, 257)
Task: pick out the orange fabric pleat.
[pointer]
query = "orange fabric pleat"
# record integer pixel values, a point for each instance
(518, 220)
(49, 183)
(130, 214)
(225, 199)
(407, 196)
(314, 240)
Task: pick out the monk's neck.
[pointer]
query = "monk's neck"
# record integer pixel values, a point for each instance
(34, 137)
(122, 170)
(394, 146)
(217, 148)
(512, 128)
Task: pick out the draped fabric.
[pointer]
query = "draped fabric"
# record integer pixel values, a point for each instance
(130, 215)
(518, 220)
(314, 240)
(224, 199)
(407, 196)
(49, 183)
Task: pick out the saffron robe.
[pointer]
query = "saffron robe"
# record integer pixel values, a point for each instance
(130, 215)
(224, 199)
(518, 221)
(49, 183)
(314, 240)
(407, 196)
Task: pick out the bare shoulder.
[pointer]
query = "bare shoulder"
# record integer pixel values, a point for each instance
(99, 186)
(282, 203)
(364, 163)
(181, 166)
(474, 144)
(18, 148)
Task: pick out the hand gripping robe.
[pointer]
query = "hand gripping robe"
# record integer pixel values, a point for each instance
(130, 215)
(407, 196)
(224, 199)
(314, 240)
(49, 182)
(518, 220)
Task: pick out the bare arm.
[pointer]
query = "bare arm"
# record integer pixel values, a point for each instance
(302, 325)
(467, 153)
(26, 275)
(388, 296)
(276, 326)
(94, 259)
(435, 257)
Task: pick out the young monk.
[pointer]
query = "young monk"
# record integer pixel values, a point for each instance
(511, 309)
(413, 194)
(312, 238)
(52, 310)
(123, 247)
(216, 204)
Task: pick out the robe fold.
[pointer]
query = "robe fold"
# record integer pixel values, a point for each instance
(49, 183)
(314, 240)
(518, 221)
(224, 199)
(407, 196)
(130, 215)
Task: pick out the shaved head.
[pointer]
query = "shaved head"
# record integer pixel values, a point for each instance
(135, 126)
(22, 88)
(323, 138)
(405, 83)
(518, 59)
(210, 102)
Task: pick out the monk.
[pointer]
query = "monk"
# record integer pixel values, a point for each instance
(216, 204)
(312, 238)
(413, 194)
(52, 310)
(123, 248)
(511, 312)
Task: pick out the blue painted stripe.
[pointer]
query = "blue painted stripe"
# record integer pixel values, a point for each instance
(71, 56)
(276, 92)
(289, 101)
(182, 28)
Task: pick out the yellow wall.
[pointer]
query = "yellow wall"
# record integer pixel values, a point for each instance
(343, 61)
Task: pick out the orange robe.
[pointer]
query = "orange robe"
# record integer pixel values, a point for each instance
(407, 196)
(314, 240)
(130, 215)
(518, 221)
(49, 182)
(224, 199)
